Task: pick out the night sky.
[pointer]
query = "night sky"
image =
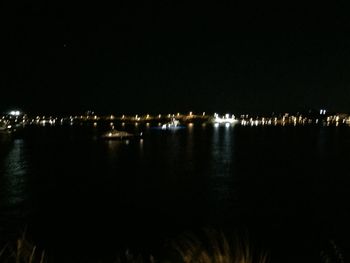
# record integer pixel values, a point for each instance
(169, 56)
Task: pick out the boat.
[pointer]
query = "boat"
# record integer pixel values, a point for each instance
(115, 134)
(225, 119)
(174, 123)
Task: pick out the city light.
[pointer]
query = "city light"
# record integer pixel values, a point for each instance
(15, 113)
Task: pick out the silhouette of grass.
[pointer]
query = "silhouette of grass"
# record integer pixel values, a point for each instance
(22, 252)
(213, 247)
(216, 248)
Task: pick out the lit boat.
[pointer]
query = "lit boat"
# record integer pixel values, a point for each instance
(225, 119)
(115, 134)
(174, 123)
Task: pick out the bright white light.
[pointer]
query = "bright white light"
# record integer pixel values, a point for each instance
(225, 119)
(15, 113)
(322, 112)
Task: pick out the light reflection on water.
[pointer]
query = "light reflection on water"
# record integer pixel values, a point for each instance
(192, 174)
(222, 151)
(14, 175)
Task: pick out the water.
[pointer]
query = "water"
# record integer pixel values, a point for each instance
(287, 187)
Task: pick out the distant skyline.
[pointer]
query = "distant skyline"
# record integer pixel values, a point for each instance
(174, 57)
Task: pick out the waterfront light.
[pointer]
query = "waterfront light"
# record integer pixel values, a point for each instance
(15, 113)
(225, 119)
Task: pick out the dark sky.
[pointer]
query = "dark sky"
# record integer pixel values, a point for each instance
(169, 56)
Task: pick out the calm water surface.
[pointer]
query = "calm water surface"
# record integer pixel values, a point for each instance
(287, 187)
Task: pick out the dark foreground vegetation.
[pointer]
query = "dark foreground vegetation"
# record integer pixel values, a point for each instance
(213, 247)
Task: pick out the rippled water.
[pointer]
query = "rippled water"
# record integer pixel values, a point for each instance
(287, 187)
